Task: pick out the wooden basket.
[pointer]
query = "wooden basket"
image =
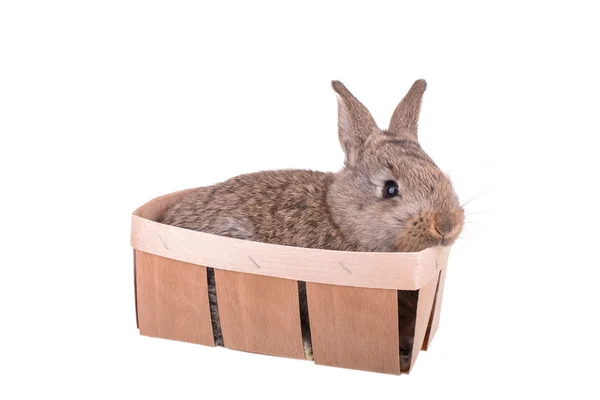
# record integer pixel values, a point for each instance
(352, 296)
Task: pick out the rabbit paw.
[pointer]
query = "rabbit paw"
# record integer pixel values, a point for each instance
(308, 353)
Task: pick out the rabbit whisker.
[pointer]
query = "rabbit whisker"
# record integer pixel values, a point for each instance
(471, 199)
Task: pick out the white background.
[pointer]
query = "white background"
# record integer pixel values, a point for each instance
(106, 105)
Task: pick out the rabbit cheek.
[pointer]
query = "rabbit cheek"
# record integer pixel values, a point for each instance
(416, 235)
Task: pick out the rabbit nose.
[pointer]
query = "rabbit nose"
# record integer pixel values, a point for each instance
(444, 224)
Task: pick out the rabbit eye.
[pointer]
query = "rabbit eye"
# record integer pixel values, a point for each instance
(390, 189)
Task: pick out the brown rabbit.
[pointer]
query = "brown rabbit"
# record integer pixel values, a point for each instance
(390, 196)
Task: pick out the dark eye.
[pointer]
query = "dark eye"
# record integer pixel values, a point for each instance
(390, 189)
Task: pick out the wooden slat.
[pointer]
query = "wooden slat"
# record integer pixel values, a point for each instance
(354, 327)
(137, 318)
(259, 314)
(434, 321)
(424, 307)
(172, 299)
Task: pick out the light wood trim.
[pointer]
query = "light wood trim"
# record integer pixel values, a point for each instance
(401, 271)
(172, 300)
(354, 327)
(259, 314)
(424, 309)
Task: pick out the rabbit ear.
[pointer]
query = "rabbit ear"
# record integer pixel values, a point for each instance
(355, 123)
(406, 116)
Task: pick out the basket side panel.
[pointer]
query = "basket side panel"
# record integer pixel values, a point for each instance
(172, 299)
(434, 321)
(354, 327)
(259, 314)
(424, 309)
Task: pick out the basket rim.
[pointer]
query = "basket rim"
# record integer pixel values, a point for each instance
(381, 270)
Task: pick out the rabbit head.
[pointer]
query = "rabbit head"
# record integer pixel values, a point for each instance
(390, 195)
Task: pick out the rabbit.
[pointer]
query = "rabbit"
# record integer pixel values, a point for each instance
(389, 197)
